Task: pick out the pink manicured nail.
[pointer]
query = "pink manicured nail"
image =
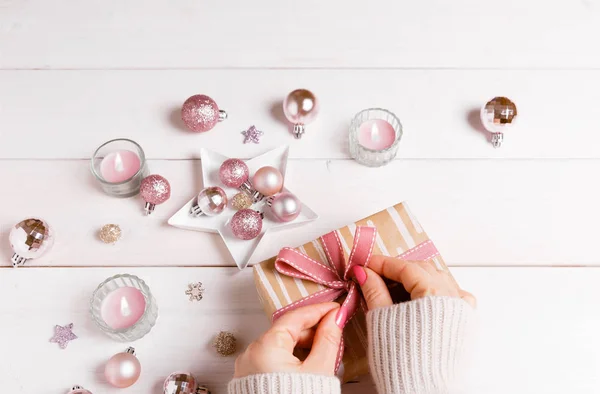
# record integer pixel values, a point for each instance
(340, 318)
(360, 274)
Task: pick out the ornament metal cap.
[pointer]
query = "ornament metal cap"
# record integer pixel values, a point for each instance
(202, 390)
(195, 211)
(299, 130)
(18, 260)
(223, 115)
(130, 350)
(149, 208)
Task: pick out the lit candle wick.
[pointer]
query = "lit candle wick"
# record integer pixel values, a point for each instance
(375, 136)
(125, 310)
(119, 163)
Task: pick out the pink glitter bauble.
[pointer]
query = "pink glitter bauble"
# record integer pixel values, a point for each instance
(246, 224)
(233, 173)
(200, 113)
(155, 189)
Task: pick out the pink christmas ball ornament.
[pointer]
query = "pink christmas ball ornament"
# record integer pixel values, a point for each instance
(201, 113)
(285, 207)
(155, 190)
(123, 369)
(246, 224)
(268, 181)
(234, 173)
(300, 108)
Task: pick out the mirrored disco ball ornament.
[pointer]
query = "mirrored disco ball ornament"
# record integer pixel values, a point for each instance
(498, 115)
(79, 390)
(210, 202)
(30, 239)
(201, 113)
(183, 383)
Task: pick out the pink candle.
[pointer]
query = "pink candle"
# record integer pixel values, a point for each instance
(376, 134)
(123, 307)
(119, 166)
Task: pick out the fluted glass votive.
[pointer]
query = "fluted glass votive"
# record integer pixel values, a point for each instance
(123, 308)
(375, 135)
(120, 165)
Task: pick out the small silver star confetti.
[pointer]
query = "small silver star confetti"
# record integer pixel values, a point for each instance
(252, 135)
(195, 291)
(63, 335)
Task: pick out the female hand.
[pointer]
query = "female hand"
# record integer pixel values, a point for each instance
(310, 325)
(419, 278)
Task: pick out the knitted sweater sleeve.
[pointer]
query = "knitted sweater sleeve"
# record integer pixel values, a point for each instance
(416, 347)
(285, 383)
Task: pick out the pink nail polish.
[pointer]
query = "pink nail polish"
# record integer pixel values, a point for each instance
(340, 318)
(360, 274)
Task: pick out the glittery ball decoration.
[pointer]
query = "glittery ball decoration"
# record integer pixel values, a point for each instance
(497, 114)
(110, 233)
(63, 335)
(201, 113)
(225, 343)
(180, 383)
(79, 390)
(233, 173)
(29, 239)
(252, 135)
(241, 201)
(246, 224)
(195, 291)
(210, 202)
(155, 190)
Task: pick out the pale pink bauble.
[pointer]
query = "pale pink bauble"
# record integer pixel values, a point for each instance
(285, 207)
(233, 172)
(200, 113)
(267, 181)
(122, 370)
(155, 189)
(301, 106)
(246, 224)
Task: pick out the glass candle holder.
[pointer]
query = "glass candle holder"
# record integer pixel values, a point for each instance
(120, 165)
(375, 135)
(123, 307)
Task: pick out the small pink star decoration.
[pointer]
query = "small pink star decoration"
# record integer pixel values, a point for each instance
(252, 135)
(195, 291)
(63, 335)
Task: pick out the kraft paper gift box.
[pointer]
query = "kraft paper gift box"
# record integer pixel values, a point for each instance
(398, 234)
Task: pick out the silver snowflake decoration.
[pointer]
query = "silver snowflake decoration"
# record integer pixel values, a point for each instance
(252, 135)
(195, 291)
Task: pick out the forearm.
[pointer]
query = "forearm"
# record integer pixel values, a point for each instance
(416, 347)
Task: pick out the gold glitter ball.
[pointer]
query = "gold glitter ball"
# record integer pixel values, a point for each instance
(241, 201)
(225, 343)
(110, 233)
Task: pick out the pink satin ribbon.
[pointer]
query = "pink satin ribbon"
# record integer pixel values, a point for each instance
(337, 280)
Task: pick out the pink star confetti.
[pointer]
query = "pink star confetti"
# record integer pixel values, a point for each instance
(63, 335)
(252, 135)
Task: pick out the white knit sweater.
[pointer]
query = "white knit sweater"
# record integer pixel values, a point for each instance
(414, 348)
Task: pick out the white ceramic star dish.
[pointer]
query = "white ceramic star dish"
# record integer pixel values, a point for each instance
(240, 250)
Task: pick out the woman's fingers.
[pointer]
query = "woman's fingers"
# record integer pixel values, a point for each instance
(468, 297)
(325, 347)
(287, 330)
(373, 288)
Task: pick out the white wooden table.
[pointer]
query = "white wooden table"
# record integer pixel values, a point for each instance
(518, 224)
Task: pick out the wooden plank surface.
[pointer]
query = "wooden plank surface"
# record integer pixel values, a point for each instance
(482, 212)
(520, 332)
(312, 33)
(68, 114)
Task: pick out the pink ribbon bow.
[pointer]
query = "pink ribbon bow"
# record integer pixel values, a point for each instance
(336, 278)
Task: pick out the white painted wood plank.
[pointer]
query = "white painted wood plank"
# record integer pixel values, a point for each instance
(67, 114)
(479, 212)
(312, 33)
(537, 325)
